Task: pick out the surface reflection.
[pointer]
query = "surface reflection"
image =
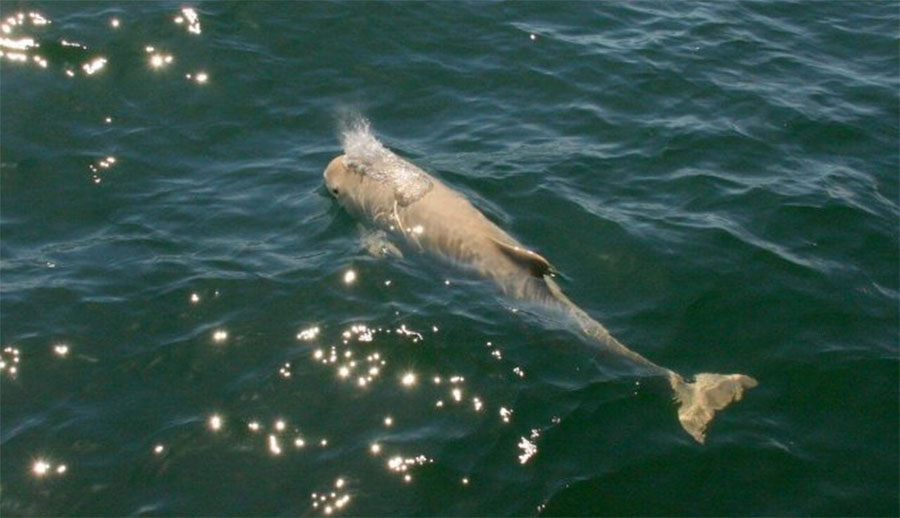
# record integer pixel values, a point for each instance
(101, 166)
(9, 361)
(93, 66)
(402, 465)
(331, 501)
(274, 445)
(215, 422)
(528, 446)
(198, 77)
(190, 19)
(349, 354)
(220, 336)
(42, 468)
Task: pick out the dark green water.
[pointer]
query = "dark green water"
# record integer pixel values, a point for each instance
(716, 182)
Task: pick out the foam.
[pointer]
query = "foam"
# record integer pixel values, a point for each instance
(368, 155)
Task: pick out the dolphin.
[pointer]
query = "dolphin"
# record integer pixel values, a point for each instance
(390, 192)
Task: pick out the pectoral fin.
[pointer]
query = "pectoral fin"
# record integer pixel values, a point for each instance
(377, 244)
(535, 263)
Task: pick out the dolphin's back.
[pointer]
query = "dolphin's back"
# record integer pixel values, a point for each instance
(446, 223)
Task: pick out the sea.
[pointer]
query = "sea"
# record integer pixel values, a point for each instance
(190, 325)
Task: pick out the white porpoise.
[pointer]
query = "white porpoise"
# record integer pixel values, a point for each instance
(373, 182)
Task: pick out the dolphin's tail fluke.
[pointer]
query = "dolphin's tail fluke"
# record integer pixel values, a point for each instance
(699, 401)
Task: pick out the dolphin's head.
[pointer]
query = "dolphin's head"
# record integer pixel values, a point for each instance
(355, 190)
(338, 176)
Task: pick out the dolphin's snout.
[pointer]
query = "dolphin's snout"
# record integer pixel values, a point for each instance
(332, 174)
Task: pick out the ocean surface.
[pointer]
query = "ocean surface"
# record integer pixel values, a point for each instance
(191, 326)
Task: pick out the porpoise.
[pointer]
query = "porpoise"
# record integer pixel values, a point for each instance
(374, 183)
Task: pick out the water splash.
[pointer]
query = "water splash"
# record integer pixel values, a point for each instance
(367, 154)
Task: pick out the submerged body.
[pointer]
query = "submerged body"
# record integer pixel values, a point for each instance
(397, 196)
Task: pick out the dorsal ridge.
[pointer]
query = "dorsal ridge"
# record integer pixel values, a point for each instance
(532, 261)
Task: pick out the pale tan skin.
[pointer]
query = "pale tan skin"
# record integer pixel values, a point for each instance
(445, 223)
